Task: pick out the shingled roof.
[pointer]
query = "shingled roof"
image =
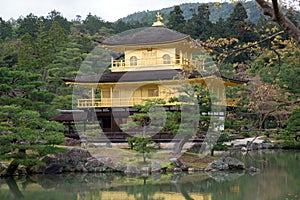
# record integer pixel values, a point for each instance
(68, 117)
(146, 36)
(140, 76)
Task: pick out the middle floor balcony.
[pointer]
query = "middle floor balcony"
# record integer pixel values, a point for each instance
(125, 102)
(117, 102)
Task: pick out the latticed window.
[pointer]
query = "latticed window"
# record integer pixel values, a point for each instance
(166, 59)
(133, 61)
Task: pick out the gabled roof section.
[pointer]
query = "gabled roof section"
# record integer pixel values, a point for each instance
(146, 36)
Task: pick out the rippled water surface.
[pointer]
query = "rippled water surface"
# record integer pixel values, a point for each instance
(279, 179)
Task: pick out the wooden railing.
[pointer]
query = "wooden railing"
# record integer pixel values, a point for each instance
(117, 102)
(125, 102)
(120, 65)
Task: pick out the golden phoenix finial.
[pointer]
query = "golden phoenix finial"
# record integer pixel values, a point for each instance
(158, 22)
(159, 16)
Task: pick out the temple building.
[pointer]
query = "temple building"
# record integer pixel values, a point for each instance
(154, 63)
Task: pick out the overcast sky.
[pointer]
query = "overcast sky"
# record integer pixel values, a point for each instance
(108, 10)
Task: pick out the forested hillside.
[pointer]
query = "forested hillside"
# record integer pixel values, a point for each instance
(37, 51)
(217, 11)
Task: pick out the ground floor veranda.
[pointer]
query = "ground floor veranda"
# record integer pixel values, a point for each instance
(106, 123)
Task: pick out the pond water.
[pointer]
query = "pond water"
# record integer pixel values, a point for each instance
(279, 179)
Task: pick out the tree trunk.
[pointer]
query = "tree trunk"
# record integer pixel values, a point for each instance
(277, 15)
(260, 126)
(144, 127)
(13, 166)
(212, 152)
(178, 147)
(144, 157)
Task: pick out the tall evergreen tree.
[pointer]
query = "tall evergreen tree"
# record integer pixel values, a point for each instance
(57, 35)
(6, 30)
(43, 47)
(239, 27)
(236, 21)
(9, 53)
(199, 25)
(219, 29)
(239, 13)
(55, 16)
(120, 26)
(29, 25)
(176, 19)
(27, 55)
(93, 23)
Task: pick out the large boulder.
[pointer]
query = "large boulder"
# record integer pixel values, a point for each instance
(217, 165)
(48, 159)
(233, 163)
(177, 163)
(49, 166)
(53, 168)
(77, 154)
(227, 163)
(97, 165)
(107, 161)
(74, 160)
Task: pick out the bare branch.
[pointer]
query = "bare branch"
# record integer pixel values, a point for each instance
(277, 15)
(249, 46)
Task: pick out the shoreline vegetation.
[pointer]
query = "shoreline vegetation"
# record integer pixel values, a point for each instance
(109, 160)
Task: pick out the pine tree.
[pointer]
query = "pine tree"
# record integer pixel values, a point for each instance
(26, 134)
(28, 25)
(57, 36)
(145, 123)
(55, 16)
(176, 19)
(43, 46)
(27, 55)
(6, 30)
(26, 137)
(199, 25)
(239, 27)
(195, 99)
